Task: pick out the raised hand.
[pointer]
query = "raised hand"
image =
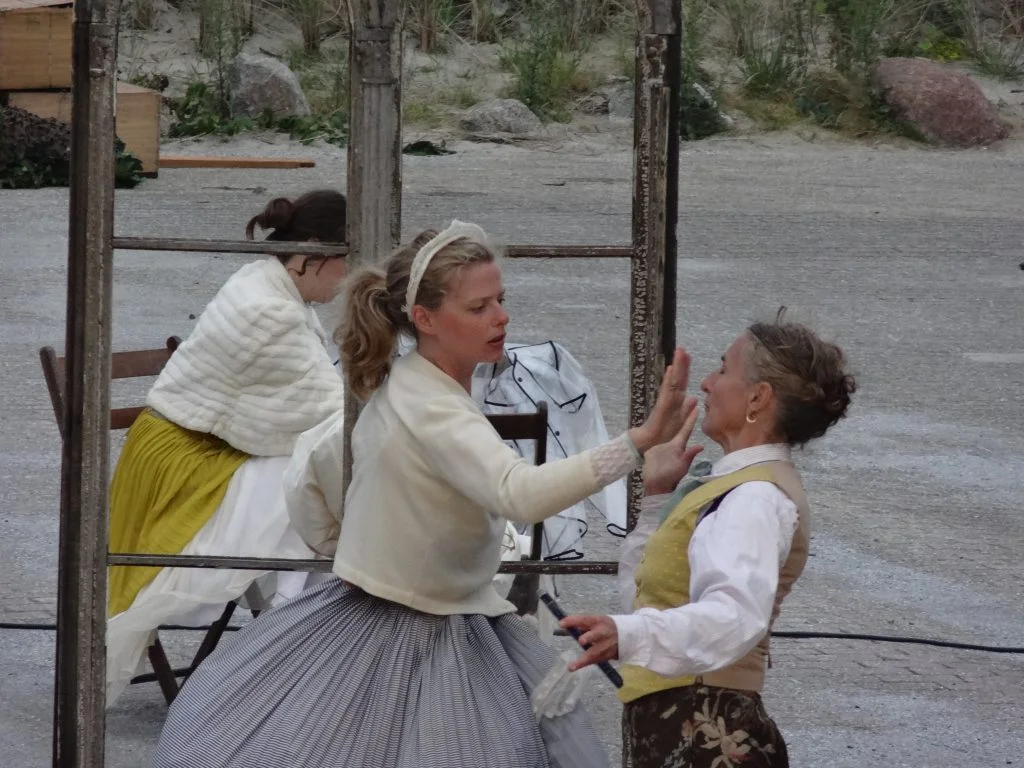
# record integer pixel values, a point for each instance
(666, 464)
(666, 417)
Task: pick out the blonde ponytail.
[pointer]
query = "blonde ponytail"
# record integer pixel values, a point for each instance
(367, 336)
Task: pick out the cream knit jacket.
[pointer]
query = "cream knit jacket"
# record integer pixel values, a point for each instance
(432, 487)
(254, 372)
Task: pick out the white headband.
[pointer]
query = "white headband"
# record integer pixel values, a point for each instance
(457, 230)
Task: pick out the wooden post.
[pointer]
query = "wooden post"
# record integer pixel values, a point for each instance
(80, 679)
(655, 209)
(374, 148)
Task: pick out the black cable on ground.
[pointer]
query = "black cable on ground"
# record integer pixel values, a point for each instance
(791, 635)
(897, 639)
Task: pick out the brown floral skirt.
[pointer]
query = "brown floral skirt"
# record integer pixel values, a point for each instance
(701, 727)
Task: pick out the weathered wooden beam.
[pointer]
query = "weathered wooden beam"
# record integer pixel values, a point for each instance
(80, 676)
(324, 566)
(271, 247)
(374, 148)
(655, 209)
(227, 246)
(568, 251)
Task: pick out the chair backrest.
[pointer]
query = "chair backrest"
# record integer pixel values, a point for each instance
(123, 365)
(527, 426)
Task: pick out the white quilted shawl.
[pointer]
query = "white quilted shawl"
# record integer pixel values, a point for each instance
(254, 372)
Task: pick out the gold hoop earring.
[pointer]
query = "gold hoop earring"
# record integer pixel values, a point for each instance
(751, 420)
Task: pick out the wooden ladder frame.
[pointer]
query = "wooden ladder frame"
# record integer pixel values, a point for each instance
(374, 227)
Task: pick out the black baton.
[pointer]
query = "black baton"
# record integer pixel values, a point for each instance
(609, 671)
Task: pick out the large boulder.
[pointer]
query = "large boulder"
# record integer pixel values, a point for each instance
(258, 83)
(501, 116)
(945, 106)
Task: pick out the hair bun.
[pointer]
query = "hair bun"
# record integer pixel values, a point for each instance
(277, 215)
(838, 395)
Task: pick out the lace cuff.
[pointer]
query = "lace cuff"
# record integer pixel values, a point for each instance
(651, 508)
(615, 459)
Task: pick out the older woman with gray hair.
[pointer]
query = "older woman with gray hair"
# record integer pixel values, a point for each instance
(712, 560)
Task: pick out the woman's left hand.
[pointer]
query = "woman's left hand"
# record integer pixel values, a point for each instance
(600, 633)
(666, 464)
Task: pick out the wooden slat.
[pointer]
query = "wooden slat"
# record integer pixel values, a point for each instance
(655, 211)
(524, 426)
(324, 566)
(568, 251)
(211, 161)
(145, 362)
(228, 246)
(123, 418)
(267, 247)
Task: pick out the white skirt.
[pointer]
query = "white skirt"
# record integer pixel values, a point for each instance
(251, 521)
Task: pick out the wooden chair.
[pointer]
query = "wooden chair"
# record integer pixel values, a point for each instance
(127, 365)
(527, 426)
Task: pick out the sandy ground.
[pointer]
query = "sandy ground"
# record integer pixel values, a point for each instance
(908, 257)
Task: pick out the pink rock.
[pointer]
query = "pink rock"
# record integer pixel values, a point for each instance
(945, 106)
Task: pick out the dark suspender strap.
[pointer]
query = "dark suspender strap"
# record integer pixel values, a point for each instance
(714, 505)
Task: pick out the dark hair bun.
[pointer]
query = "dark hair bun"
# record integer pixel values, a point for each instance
(277, 215)
(317, 215)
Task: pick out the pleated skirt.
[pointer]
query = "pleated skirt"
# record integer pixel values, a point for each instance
(339, 678)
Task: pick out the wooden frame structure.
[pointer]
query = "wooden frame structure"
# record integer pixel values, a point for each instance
(374, 173)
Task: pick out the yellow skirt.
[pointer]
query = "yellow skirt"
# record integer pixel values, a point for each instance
(168, 483)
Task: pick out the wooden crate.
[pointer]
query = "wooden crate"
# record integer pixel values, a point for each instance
(137, 117)
(35, 44)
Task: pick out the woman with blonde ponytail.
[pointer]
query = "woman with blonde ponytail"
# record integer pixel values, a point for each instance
(411, 659)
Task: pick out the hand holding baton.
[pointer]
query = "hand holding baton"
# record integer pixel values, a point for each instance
(609, 671)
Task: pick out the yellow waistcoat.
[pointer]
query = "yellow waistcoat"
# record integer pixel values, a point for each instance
(663, 576)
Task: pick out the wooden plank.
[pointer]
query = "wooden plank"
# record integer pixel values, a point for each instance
(324, 566)
(267, 247)
(80, 669)
(568, 251)
(137, 120)
(374, 149)
(655, 210)
(215, 161)
(35, 48)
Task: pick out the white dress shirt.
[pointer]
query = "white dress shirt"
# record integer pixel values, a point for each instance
(735, 555)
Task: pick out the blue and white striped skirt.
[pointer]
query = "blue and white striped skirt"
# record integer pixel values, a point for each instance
(337, 678)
